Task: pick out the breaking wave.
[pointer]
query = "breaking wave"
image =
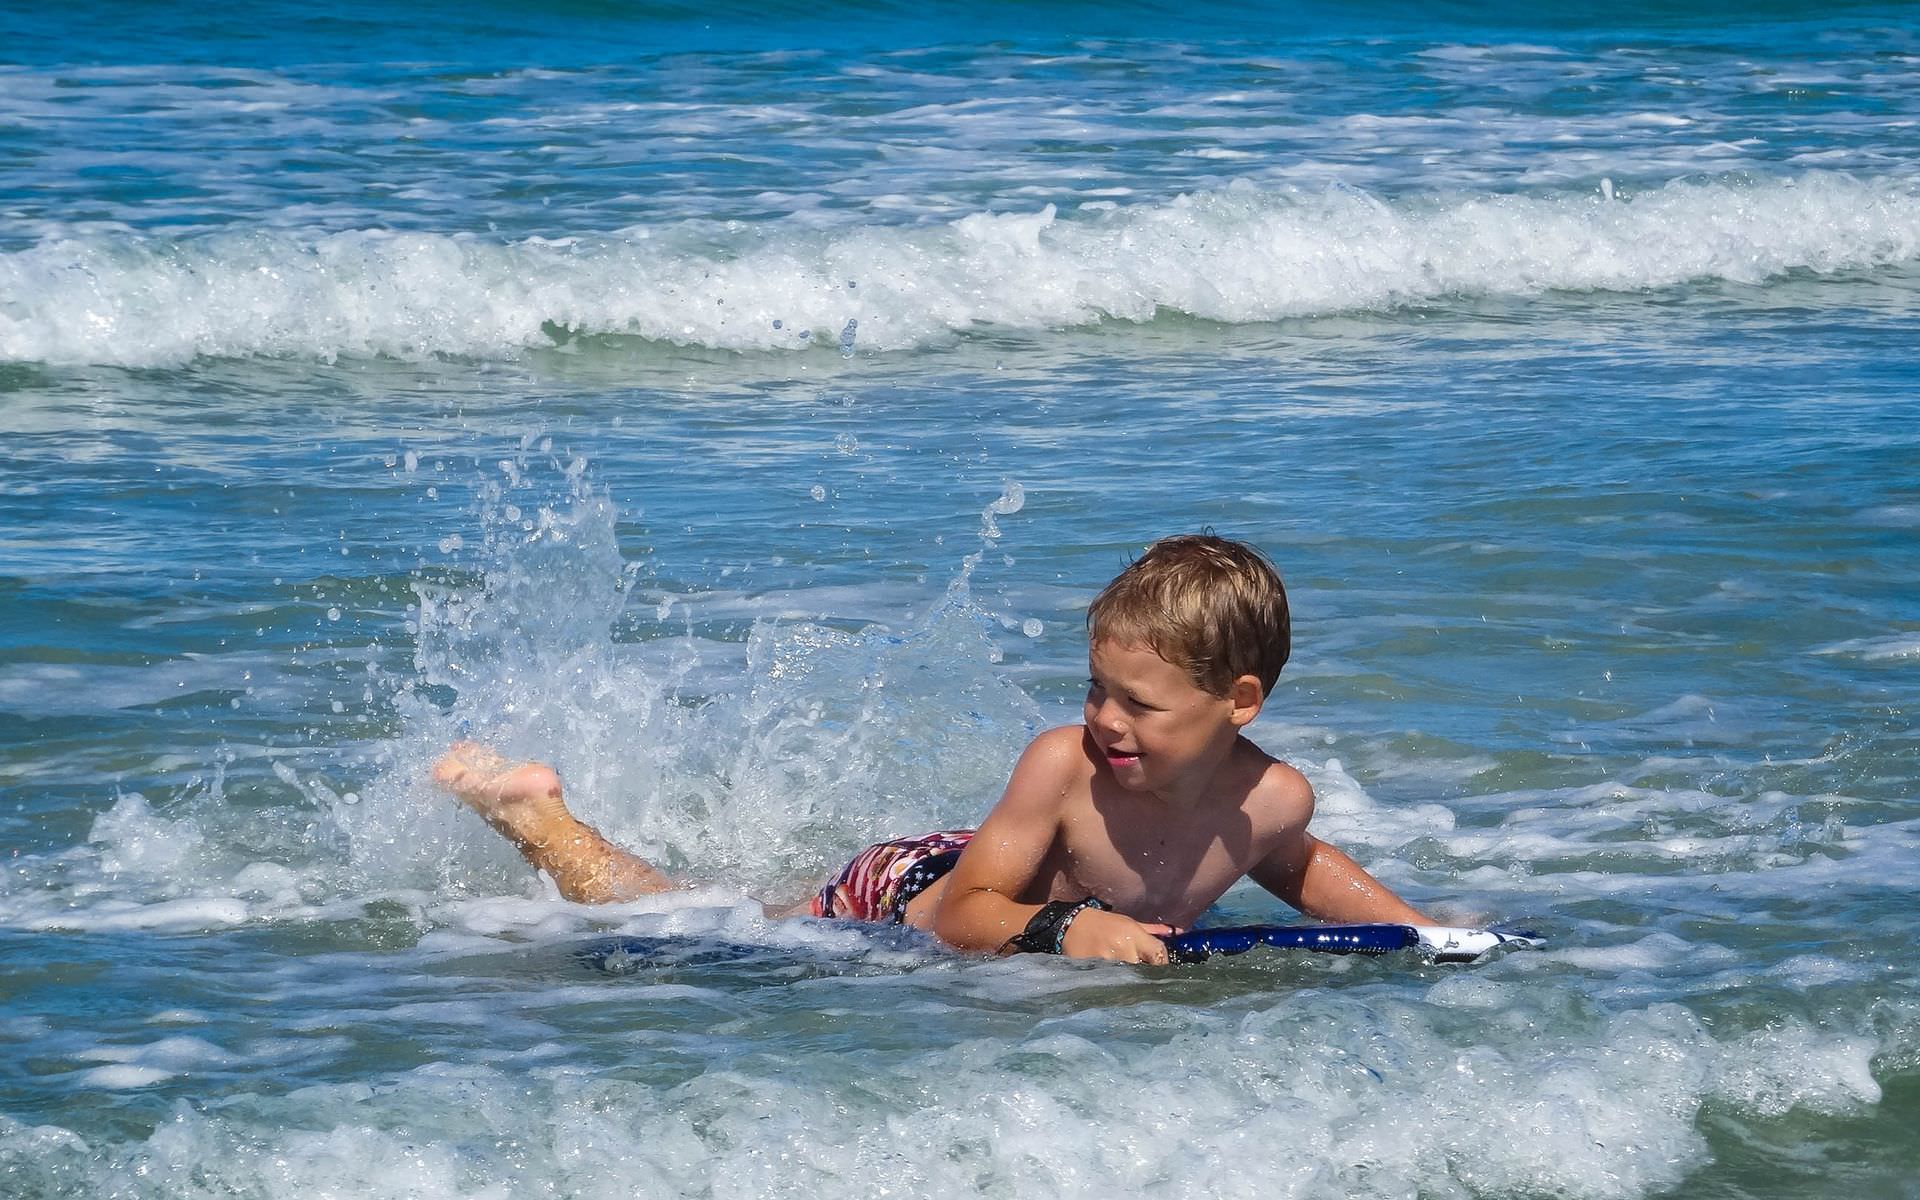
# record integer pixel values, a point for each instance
(1237, 255)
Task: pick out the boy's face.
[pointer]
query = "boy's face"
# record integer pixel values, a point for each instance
(1153, 725)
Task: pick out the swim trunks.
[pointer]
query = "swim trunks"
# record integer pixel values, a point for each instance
(880, 881)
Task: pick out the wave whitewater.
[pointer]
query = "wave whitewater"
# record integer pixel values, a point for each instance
(1237, 255)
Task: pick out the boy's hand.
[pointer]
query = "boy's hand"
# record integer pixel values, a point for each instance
(1096, 933)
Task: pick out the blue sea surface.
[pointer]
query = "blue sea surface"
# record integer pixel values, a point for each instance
(737, 406)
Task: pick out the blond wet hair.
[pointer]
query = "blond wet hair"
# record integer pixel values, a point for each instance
(1209, 605)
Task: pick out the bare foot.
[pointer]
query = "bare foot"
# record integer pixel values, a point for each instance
(520, 800)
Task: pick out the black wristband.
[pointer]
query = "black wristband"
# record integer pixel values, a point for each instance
(1047, 931)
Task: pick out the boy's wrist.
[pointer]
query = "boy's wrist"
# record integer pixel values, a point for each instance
(1046, 932)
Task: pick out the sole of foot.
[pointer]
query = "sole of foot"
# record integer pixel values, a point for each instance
(520, 799)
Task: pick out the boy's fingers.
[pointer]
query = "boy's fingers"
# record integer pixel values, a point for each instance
(1116, 937)
(1150, 950)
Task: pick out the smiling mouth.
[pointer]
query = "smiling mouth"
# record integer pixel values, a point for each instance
(1121, 758)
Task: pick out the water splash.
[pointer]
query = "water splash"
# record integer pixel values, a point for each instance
(760, 765)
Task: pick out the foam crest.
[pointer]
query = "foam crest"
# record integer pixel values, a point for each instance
(1240, 254)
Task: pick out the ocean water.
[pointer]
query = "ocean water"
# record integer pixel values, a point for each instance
(737, 406)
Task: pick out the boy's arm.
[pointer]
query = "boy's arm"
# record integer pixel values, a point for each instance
(988, 902)
(1322, 882)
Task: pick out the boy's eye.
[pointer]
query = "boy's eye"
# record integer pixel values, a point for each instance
(1128, 698)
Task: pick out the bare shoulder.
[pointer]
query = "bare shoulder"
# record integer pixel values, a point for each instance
(1280, 797)
(1008, 853)
(1059, 756)
(1053, 765)
(1063, 745)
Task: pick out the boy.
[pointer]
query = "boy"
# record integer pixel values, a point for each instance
(1111, 834)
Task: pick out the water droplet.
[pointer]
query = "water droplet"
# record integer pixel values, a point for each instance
(451, 542)
(339, 707)
(1013, 497)
(847, 333)
(817, 492)
(1033, 627)
(333, 614)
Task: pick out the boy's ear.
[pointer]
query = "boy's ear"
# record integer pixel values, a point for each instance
(1247, 696)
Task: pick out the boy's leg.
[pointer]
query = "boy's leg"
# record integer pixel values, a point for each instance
(522, 802)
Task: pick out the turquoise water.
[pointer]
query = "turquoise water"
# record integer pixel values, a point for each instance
(737, 407)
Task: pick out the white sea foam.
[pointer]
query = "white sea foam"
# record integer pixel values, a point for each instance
(122, 1077)
(145, 1065)
(1652, 953)
(1892, 647)
(1818, 970)
(1319, 1094)
(1236, 255)
(173, 1052)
